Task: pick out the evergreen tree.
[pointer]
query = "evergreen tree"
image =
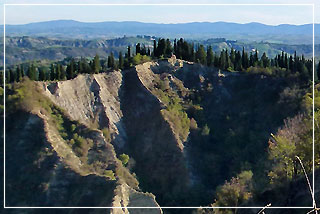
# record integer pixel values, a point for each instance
(42, 74)
(111, 61)
(12, 76)
(228, 61)
(155, 54)
(245, 59)
(291, 63)
(295, 65)
(18, 74)
(210, 56)
(201, 55)
(52, 72)
(318, 71)
(138, 49)
(161, 49)
(8, 78)
(62, 72)
(282, 63)
(143, 50)
(129, 52)
(286, 64)
(238, 61)
(58, 72)
(222, 60)
(175, 47)
(233, 57)
(22, 71)
(256, 58)
(31, 73)
(192, 53)
(96, 64)
(70, 70)
(264, 60)
(121, 62)
(251, 60)
(168, 50)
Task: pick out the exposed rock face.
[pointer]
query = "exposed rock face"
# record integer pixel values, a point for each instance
(92, 100)
(152, 142)
(128, 197)
(44, 169)
(139, 127)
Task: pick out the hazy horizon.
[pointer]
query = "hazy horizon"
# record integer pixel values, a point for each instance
(266, 13)
(137, 21)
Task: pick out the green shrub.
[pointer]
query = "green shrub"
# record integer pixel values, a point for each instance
(110, 174)
(73, 127)
(124, 159)
(205, 130)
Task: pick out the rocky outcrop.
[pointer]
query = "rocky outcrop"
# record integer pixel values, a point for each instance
(127, 103)
(44, 169)
(152, 143)
(91, 99)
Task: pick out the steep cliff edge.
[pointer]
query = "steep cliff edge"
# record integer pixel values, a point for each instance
(160, 163)
(92, 100)
(54, 160)
(136, 111)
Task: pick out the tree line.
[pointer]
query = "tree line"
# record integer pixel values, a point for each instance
(232, 60)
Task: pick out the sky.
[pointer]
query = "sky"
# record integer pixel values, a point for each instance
(272, 15)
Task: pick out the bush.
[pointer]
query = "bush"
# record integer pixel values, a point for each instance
(234, 193)
(124, 159)
(138, 59)
(205, 130)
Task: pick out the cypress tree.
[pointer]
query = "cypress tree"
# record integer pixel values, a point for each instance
(121, 62)
(18, 74)
(210, 56)
(70, 70)
(243, 58)
(318, 71)
(233, 57)
(256, 58)
(175, 47)
(58, 72)
(52, 72)
(31, 72)
(201, 55)
(12, 76)
(222, 60)
(42, 75)
(251, 60)
(22, 71)
(143, 50)
(8, 78)
(63, 72)
(168, 50)
(129, 52)
(138, 48)
(228, 61)
(291, 63)
(111, 61)
(286, 64)
(154, 48)
(96, 64)
(161, 49)
(238, 61)
(264, 60)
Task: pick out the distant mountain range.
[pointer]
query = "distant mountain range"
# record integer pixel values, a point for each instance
(284, 33)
